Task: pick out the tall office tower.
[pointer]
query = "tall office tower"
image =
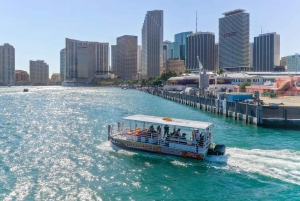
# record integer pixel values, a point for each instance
(152, 44)
(85, 60)
(200, 44)
(139, 60)
(234, 40)
(62, 64)
(173, 51)
(266, 52)
(39, 72)
(126, 57)
(180, 39)
(7, 64)
(216, 56)
(165, 54)
(113, 50)
(251, 54)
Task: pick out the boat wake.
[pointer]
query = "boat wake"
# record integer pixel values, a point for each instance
(278, 164)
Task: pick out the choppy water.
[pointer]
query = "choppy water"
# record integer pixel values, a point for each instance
(53, 146)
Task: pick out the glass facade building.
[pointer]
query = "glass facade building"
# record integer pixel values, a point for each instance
(293, 63)
(180, 39)
(173, 51)
(7, 64)
(234, 40)
(266, 52)
(152, 44)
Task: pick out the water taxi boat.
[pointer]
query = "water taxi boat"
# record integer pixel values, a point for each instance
(185, 138)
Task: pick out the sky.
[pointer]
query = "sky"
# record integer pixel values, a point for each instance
(37, 29)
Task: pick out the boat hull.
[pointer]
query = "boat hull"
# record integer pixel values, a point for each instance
(155, 148)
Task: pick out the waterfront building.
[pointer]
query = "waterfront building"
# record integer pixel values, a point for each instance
(283, 62)
(293, 63)
(176, 66)
(126, 57)
(113, 50)
(216, 56)
(266, 52)
(39, 72)
(173, 51)
(234, 40)
(86, 60)
(200, 44)
(7, 64)
(165, 54)
(62, 64)
(180, 39)
(152, 44)
(21, 77)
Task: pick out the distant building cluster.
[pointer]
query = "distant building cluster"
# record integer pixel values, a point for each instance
(89, 62)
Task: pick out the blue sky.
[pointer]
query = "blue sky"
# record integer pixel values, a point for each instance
(37, 29)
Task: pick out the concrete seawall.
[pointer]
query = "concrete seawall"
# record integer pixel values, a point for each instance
(252, 114)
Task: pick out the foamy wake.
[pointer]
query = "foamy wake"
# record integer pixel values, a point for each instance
(282, 164)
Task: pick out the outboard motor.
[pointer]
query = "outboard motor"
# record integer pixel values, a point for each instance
(220, 149)
(217, 150)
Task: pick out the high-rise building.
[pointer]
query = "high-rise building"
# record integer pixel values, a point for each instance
(139, 60)
(39, 72)
(251, 54)
(113, 50)
(126, 57)
(200, 44)
(7, 64)
(173, 51)
(234, 40)
(152, 44)
(165, 54)
(180, 39)
(21, 77)
(216, 56)
(293, 63)
(266, 52)
(85, 60)
(62, 64)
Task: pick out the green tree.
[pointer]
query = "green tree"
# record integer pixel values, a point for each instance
(220, 71)
(243, 85)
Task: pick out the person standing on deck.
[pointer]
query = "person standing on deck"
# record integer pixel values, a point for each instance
(166, 127)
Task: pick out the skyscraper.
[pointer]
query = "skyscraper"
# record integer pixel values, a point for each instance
(152, 44)
(7, 64)
(126, 57)
(165, 54)
(200, 44)
(139, 60)
(86, 59)
(39, 72)
(113, 50)
(216, 56)
(180, 39)
(173, 51)
(266, 52)
(234, 40)
(62, 64)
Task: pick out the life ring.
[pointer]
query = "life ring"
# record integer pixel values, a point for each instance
(167, 119)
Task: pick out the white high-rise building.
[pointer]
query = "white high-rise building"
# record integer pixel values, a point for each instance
(85, 60)
(39, 72)
(152, 44)
(7, 65)
(234, 30)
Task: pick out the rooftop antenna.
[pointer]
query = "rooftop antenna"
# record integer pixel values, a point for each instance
(196, 21)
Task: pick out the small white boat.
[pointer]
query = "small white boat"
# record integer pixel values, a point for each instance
(191, 139)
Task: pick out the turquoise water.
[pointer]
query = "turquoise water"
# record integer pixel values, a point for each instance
(53, 146)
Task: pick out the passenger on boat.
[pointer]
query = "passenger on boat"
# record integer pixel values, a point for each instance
(166, 127)
(178, 132)
(151, 129)
(158, 129)
(197, 135)
(183, 137)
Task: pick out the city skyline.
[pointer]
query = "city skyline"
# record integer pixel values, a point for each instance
(58, 22)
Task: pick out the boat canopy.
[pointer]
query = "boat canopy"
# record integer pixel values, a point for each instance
(169, 121)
